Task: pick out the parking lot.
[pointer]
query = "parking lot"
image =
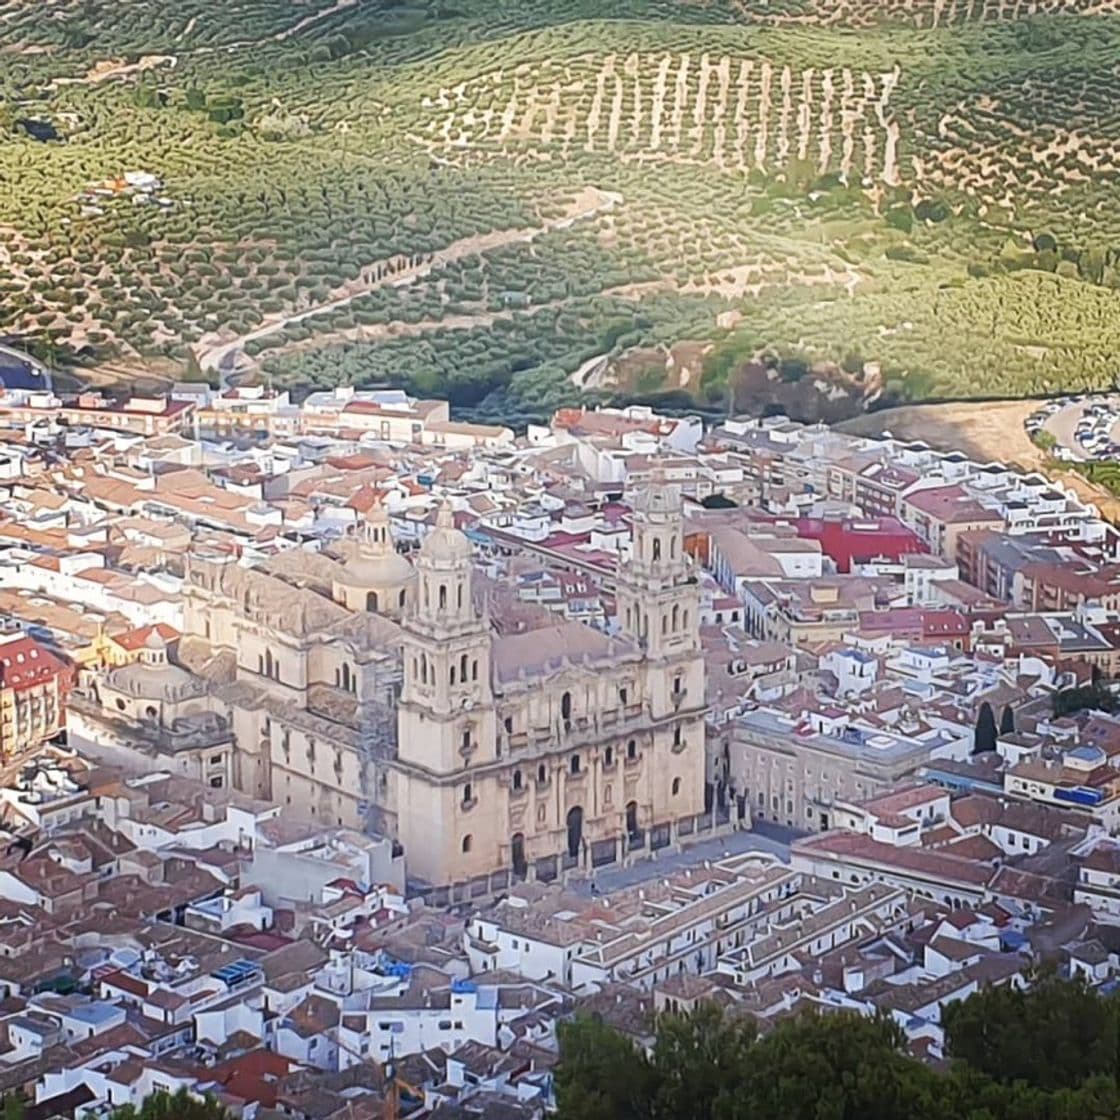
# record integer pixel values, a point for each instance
(1084, 428)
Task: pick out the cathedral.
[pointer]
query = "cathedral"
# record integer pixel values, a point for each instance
(373, 692)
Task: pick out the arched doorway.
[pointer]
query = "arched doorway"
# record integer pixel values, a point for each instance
(517, 854)
(635, 838)
(575, 830)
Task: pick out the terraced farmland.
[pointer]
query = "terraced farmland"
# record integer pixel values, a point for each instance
(923, 190)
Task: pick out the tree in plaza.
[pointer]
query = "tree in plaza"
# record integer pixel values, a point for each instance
(984, 736)
(179, 1106)
(1007, 721)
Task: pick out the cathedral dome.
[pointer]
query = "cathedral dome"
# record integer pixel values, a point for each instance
(387, 570)
(374, 575)
(373, 562)
(445, 544)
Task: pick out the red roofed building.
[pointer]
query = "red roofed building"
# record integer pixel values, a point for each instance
(126, 647)
(33, 687)
(254, 1077)
(916, 624)
(942, 514)
(852, 540)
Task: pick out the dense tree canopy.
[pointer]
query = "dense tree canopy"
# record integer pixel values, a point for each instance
(1046, 1054)
(1054, 1035)
(178, 1106)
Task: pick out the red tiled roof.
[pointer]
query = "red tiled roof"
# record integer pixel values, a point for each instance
(124, 982)
(136, 639)
(255, 1076)
(26, 663)
(359, 461)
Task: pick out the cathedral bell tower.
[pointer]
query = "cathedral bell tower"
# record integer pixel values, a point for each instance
(658, 596)
(658, 600)
(446, 728)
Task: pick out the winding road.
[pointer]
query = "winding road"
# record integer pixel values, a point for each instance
(223, 355)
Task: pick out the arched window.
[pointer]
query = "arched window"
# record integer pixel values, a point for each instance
(566, 707)
(574, 764)
(608, 756)
(466, 843)
(459, 597)
(672, 548)
(443, 596)
(467, 794)
(463, 668)
(542, 774)
(401, 598)
(474, 670)
(676, 618)
(371, 602)
(676, 786)
(150, 712)
(517, 779)
(664, 623)
(423, 668)
(427, 596)
(656, 548)
(684, 619)
(676, 736)
(632, 750)
(452, 674)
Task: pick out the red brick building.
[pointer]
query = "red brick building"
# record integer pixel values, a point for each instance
(34, 683)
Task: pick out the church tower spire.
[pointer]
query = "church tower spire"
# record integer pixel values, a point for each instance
(446, 725)
(658, 597)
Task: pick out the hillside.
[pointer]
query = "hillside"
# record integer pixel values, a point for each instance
(898, 199)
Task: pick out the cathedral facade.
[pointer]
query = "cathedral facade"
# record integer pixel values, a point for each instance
(368, 692)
